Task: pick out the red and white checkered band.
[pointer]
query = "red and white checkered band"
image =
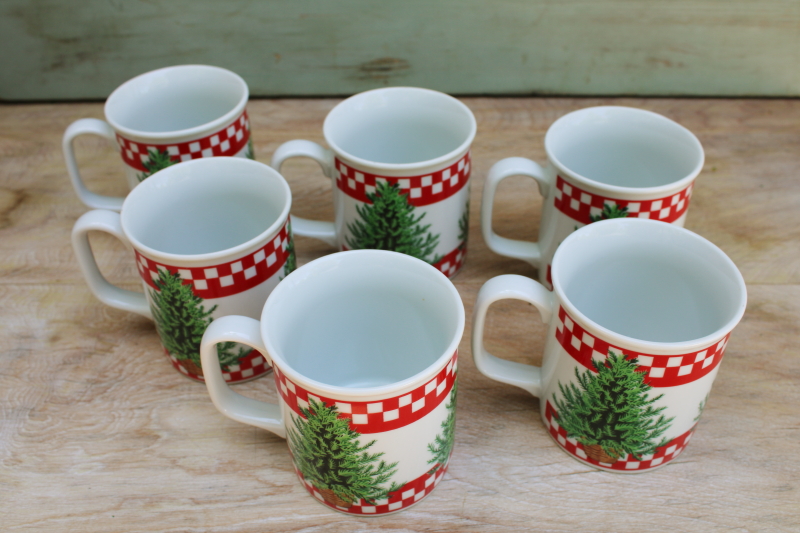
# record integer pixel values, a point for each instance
(452, 262)
(250, 366)
(226, 142)
(421, 190)
(581, 205)
(382, 415)
(405, 496)
(662, 370)
(662, 455)
(225, 279)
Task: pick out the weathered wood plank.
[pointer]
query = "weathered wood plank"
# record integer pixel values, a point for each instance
(53, 49)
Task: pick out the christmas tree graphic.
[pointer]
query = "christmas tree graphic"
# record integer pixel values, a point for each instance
(610, 413)
(249, 153)
(610, 211)
(156, 160)
(701, 407)
(181, 321)
(330, 457)
(463, 227)
(442, 445)
(389, 224)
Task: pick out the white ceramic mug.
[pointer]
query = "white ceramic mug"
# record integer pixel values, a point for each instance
(364, 346)
(164, 117)
(602, 162)
(638, 322)
(399, 158)
(211, 237)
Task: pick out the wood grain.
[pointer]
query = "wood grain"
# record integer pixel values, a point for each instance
(98, 433)
(59, 50)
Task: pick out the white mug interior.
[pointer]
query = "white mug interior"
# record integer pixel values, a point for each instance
(400, 126)
(206, 206)
(362, 319)
(175, 99)
(624, 147)
(649, 281)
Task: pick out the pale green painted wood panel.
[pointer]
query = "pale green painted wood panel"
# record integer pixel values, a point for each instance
(63, 49)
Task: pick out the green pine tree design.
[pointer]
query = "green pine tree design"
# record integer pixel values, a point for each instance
(157, 160)
(181, 319)
(389, 224)
(249, 153)
(330, 457)
(442, 445)
(463, 227)
(610, 211)
(701, 407)
(610, 413)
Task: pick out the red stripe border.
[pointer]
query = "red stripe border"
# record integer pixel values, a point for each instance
(379, 415)
(662, 370)
(420, 190)
(580, 205)
(227, 141)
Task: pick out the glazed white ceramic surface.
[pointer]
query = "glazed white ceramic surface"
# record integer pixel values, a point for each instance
(365, 327)
(597, 156)
(643, 288)
(400, 133)
(168, 106)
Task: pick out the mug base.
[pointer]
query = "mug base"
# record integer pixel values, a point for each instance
(253, 366)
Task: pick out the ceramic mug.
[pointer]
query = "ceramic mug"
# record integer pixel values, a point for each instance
(602, 162)
(637, 325)
(399, 158)
(364, 346)
(205, 247)
(164, 117)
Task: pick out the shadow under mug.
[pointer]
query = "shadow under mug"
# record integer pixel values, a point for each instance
(364, 347)
(637, 325)
(164, 117)
(400, 162)
(602, 162)
(211, 237)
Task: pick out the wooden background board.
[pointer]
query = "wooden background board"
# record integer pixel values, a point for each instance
(99, 433)
(59, 49)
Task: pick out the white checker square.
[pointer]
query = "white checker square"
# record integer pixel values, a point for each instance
(655, 206)
(200, 284)
(575, 342)
(429, 481)
(585, 198)
(173, 150)
(416, 192)
(572, 441)
(394, 506)
(271, 258)
(129, 155)
(644, 360)
(375, 407)
(369, 189)
(367, 509)
(226, 281)
(418, 496)
(225, 145)
(257, 360)
(214, 140)
(404, 184)
(446, 266)
(430, 386)
(276, 243)
(194, 147)
(454, 180)
(449, 367)
(647, 457)
(574, 204)
(382, 501)
(234, 368)
(671, 449)
(598, 355)
(359, 177)
(445, 174)
(283, 388)
(634, 207)
(631, 465)
(236, 267)
(239, 135)
(250, 272)
(700, 356)
(559, 194)
(568, 323)
(656, 372)
(437, 188)
(186, 157)
(290, 385)
(231, 130)
(312, 397)
(134, 147)
(567, 189)
(151, 149)
(419, 404)
(685, 370)
(707, 362)
(394, 414)
(260, 256)
(360, 419)
(466, 169)
(380, 180)
(407, 494)
(211, 273)
(580, 453)
(675, 199)
(405, 400)
(154, 275)
(342, 169)
(351, 183)
(143, 260)
(562, 440)
(440, 388)
(301, 403)
(461, 165)
(185, 274)
(427, 181)
(588, 340)
(247, 373)
(721, 344)
(143, 158)
(681, 204)
(344, 407)
(208, 152)
(664, 213)
(674, 361)
(594, 211)
(644, 214)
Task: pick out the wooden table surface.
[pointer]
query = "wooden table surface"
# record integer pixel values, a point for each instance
(99, 433)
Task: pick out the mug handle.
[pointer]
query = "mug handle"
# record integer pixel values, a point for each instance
(318, 229)
(91, 126)
(512, 166)
(109, 222)
(527, 377)
(243, 330)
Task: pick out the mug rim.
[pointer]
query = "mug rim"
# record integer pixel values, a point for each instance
(440, 160)
(338, 391)
(154, 182)
(218, 122)
(643, 345)
(619, 189)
